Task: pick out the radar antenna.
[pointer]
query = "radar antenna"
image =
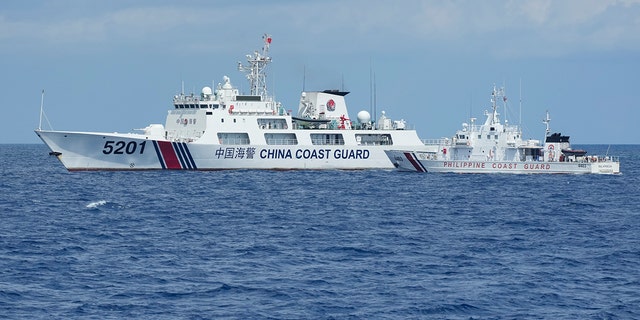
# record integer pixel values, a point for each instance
(256, 69)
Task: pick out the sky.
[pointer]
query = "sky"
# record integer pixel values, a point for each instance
(114, 65)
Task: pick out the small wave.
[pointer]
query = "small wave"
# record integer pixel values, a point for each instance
(96, 204)
(446, 309)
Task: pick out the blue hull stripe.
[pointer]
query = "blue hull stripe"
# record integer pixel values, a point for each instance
(189, 157)
(155, 145)
(176, 147)
(183, 156)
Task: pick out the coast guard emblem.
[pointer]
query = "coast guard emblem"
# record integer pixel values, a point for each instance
(331, 105)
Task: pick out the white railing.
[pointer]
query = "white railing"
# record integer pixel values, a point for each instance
(234, 141)
(283, 142)
(436, 142)
(335, 142)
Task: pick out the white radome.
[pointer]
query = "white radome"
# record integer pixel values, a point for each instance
(364, 117)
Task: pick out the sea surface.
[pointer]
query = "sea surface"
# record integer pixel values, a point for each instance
(373, 244)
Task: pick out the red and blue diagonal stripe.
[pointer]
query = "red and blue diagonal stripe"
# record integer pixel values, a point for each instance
(415, 162)
(174, 155)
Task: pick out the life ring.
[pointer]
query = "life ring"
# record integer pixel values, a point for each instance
(230, 109)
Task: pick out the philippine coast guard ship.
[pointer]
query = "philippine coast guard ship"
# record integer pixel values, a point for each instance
(224, 129)
(494, 147)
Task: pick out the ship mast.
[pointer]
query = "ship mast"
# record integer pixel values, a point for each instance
(494, 104)
(256, 70)
(546, 122)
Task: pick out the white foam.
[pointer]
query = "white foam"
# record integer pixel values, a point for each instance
(96, 204)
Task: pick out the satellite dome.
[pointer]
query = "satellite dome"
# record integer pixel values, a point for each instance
(207, 90)
(364, 117)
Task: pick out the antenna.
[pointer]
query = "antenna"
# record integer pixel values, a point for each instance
(371, 88)
(42, 114)
(520, 120)
(471, 105)
(41, 110)
(503, 92)
(304, 77)
(504, 103)
(375, 96)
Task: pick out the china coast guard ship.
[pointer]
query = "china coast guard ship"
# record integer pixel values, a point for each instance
(494, 147)
(224, 129)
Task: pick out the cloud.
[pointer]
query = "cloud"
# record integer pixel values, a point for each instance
(123, 24)
(536, 12)
(535, 27)
(497, 27)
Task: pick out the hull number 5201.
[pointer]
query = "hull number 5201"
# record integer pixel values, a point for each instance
(121, 147)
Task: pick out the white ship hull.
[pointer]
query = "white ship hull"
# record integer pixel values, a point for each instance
(420, 162)
(223, 128)
(79, 151)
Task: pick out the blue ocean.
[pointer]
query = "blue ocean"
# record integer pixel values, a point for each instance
(372, 244)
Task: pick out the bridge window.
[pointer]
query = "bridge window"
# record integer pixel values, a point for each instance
(327, 139)
(281, 138)
(374, 139)
(233, 138)
(271, 123)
